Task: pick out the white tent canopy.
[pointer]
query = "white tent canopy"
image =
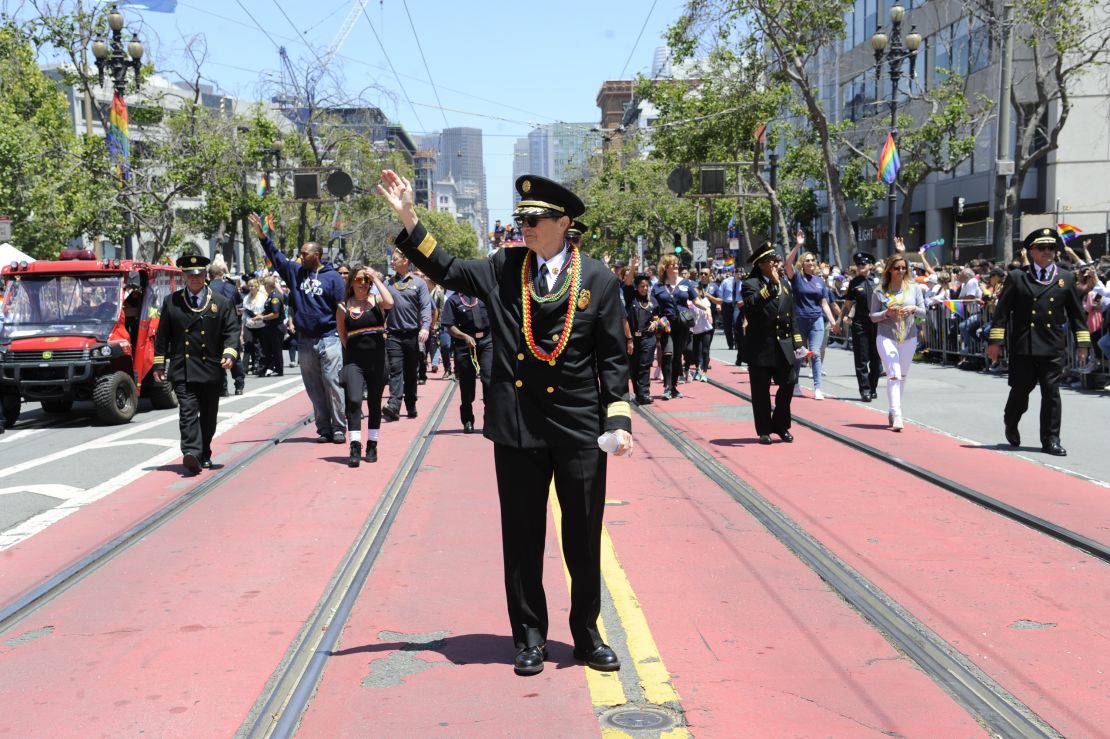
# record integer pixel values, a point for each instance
(9, 254)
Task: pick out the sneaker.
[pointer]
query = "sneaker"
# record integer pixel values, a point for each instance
(667, 394)
(818, 395)
(676, 394)
(338, 438)
(890, 418)
(896, 423)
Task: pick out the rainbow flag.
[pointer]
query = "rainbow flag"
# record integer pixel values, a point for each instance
(760, 133)
(730, 262)
(1068, 232)
(956, 307)
(932, 245)
(889, 163)
(263, 186)
(119, 141)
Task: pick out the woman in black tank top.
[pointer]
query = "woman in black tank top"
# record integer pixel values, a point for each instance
(361, 324)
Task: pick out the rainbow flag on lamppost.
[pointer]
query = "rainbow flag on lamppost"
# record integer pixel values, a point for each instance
(119, 141)
(889, 163)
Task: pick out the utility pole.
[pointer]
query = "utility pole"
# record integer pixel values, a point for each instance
(1004, 165)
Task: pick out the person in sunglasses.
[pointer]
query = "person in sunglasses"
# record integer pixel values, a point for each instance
(1037, 307)
(559, 380)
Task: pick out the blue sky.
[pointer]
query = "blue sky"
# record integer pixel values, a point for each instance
(526, 63)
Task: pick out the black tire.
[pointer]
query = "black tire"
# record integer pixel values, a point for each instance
(116, 398)
(10, 405)
(58, 406)
(162, 395)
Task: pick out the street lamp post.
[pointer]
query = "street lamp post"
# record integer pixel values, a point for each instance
(111, 55)
(892, 48)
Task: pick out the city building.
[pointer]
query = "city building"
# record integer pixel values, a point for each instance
(424, 168)
(460, 157)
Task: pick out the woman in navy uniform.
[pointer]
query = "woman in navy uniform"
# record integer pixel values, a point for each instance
(197, 339)
(1037, 307)
(559, 379)
(273, 318)
(770, 343)
(643, 322)
(466, 319)
(864, 331)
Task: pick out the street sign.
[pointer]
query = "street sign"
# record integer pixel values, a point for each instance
(701, 249)
(5, 228)
(680, 180)
(640, 250)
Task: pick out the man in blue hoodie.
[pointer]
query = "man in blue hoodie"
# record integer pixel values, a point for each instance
(315, 292)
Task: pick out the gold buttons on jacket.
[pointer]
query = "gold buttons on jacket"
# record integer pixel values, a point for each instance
(555, 338)
(550, 389)
(520, 357)
(519, 383)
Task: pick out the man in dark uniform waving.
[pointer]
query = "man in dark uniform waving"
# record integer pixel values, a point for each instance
(197, 339)
(559, 379)
(1037, 307)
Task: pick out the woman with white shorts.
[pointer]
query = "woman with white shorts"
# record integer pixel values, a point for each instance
(896, 306)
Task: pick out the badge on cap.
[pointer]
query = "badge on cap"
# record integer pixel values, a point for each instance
(192, 260)
(1046, 232)
(583, 299)
(526, 186)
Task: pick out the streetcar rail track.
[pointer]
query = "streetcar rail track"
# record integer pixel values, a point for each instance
(1067, 536)
(979, 694)
(38, 596)
(278, 710)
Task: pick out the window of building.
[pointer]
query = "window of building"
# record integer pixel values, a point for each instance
(978, 48)
(849, 31)
(983, 157)
(859, 19)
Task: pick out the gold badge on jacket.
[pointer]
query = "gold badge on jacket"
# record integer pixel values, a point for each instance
(583, 299)
(1060, 282)
(214, 309)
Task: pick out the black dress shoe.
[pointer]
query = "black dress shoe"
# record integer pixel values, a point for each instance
(865, 396)
(238, 391)
(764, 438)
(206, 463)
(192, 463)
(529, 661)
(468, 427)
(600, 657)
(411, 414)
(1013, 436)
(1053, 447)
(786, 436)
(323, 438)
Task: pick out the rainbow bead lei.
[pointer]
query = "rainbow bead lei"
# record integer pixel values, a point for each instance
(528, 294)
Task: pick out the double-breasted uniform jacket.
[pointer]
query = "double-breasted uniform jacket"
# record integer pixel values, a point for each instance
(191, 341)
(771, 337)
(1036, 317)
(568, 401)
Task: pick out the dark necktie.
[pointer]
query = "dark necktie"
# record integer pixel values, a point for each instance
(541, 280)
(195, 300)
(1042, 274)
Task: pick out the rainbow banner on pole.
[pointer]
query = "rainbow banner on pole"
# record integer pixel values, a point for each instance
(1068, 232)
(263, 186)
(119, 141)
(889, 163)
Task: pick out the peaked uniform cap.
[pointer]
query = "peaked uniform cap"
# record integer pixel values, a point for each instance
(766, 249)
(1044, 236)
(193, 264)
(540, 196)
(577, 227)
(863, 257)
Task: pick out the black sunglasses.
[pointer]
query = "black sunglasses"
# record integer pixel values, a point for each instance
(530, 220)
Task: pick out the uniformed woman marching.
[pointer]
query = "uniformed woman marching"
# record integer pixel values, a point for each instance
(644, 316)
(467, 322)
(197, 339)
(1037, 308)
(770, 343)
(559, 380)
(864, 332)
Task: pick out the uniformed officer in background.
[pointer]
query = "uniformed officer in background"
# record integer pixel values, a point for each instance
(644, 316)
(559, 379)
(770, 342)
(466, 319)
(1038, 306)
(218, 282)
(273, 320)
(197, 339)
(869, 366)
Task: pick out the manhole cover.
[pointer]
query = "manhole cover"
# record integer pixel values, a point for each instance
(638, 718)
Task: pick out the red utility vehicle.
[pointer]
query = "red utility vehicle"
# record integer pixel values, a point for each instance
(82, 329)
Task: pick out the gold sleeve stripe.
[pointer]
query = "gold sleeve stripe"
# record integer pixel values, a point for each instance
(620, 408)
(1083, 337)
(765, 294)
(798, 338)
(234, 354)
(998, 333)
(159, 360)
(427, 246)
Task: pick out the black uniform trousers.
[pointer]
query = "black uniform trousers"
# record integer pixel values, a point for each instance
(1026, 373)
(643, 354)
(403, 350)
(866, 354)
(738, 337)
(271, 348)
(523, 479)
(238, 375)
(198, 404)
(728, 311)
(467, 377)
(766, 421)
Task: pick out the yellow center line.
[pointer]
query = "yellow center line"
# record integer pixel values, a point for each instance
(652, 672)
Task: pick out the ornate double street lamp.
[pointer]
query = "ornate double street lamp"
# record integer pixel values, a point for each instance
(110, 56)
(892, 48)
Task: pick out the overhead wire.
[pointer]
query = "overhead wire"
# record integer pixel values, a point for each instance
(391, 67)
(637, 42)
(259, 25)
(299, 33)
(423, 59)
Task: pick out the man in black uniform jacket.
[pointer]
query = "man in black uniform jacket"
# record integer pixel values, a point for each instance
(643, 321)
(466, 319)
(198, 338)
(1037, 307)
(559, 379)
(218, 282)
(770, 343)
(864, 330)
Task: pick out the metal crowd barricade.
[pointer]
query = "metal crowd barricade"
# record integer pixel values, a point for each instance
(952, 337)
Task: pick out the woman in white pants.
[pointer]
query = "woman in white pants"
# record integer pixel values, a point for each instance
(896, 305)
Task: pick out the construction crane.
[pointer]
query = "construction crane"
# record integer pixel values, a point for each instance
(357, 9)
